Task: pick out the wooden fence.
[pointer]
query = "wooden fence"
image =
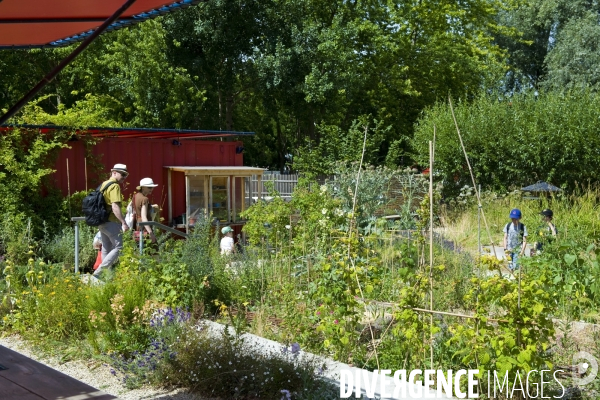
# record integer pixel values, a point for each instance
(284, 184)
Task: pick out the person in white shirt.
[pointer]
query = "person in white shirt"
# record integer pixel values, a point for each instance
(515, 239)
(227, 245)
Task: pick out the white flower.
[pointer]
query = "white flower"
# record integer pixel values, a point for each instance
(324, 211)
(323, 188)
(339, 212)
(288, 227)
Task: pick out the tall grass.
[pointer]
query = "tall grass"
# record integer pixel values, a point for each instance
(576, 216)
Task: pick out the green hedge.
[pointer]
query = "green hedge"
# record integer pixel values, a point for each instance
(514, 142)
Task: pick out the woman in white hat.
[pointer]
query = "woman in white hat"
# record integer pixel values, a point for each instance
(142, 207)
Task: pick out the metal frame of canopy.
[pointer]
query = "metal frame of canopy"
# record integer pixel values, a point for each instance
(132, 133)
(86, 15)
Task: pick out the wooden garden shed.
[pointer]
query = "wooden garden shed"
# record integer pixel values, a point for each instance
(196, 170)
(221, 191)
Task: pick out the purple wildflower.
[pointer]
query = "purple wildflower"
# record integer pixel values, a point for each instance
(286, 394)
(295, 348)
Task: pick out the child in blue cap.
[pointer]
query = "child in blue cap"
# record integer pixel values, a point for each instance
(515, 238)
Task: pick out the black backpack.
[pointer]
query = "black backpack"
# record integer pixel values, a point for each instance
(520, 227)
(94, 207)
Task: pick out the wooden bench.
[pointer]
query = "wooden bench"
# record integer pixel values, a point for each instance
(25, 379)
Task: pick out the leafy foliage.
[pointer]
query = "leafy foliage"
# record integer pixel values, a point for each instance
(573, 62)
(514, 142)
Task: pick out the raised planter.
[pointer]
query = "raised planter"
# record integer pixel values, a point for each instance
(334, 370)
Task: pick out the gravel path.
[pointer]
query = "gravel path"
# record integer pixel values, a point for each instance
(97, 375)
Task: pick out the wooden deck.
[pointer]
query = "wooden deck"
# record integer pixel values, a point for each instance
(26, 379)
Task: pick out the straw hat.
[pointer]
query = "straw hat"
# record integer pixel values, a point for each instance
(146, 182)
(121, 168)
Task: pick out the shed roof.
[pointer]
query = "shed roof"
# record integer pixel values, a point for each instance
(226, 170)
(55, 23)
(144, 133)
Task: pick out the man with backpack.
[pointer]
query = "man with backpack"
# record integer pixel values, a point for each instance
(112, 230)
(515, 238)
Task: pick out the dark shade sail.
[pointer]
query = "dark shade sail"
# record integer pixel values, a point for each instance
(541, 187)
(56, 23)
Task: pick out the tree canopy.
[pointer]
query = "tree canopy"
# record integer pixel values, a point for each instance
(308, 76)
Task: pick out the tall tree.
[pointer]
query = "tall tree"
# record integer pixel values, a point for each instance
(574, 62)
(555, 47)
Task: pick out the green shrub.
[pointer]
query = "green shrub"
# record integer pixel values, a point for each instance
(49, 302)
(119, 311)
(60, 248)
(514, 142)
(16, 238)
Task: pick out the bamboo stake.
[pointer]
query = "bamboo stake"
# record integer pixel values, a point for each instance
(472, 176)
(290, 250)
(519, 309)
(85, 171)
(431, 161)
(431, 249)
(69, 188)
(362, 157)
(450, 314)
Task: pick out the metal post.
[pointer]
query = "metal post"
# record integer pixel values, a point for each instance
(76, 247)
(142, 241)
(66, 61)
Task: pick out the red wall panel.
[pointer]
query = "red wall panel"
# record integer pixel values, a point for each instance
(144, 158)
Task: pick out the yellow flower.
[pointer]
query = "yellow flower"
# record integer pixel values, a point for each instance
(52, 294)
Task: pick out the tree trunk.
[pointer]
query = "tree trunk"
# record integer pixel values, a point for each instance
(229, 113)
(281, 149)
(220, 108)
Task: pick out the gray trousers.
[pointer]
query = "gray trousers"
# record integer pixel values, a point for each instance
(112, 243)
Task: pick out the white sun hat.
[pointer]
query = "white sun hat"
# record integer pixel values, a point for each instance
(146, 182)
